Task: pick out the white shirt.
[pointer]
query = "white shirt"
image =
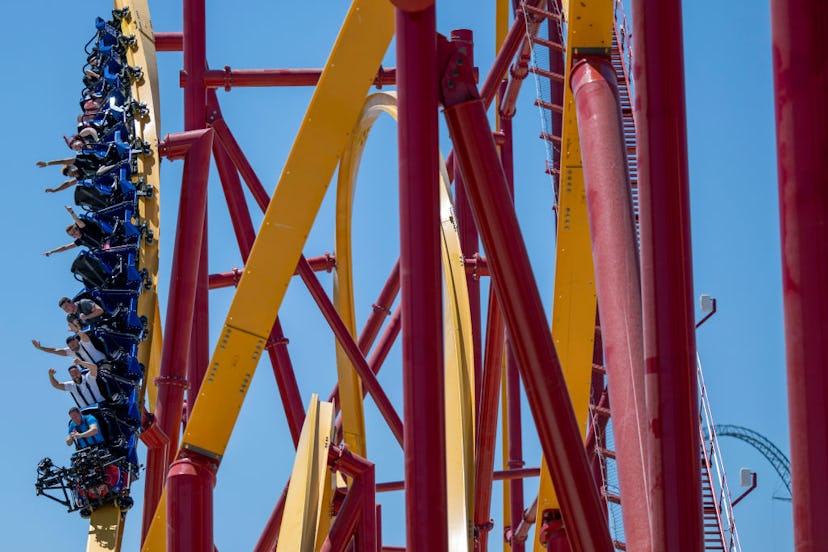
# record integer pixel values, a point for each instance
(86, 351)
(86, 393)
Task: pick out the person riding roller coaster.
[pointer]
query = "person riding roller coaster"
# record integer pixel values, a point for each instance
(87, 233)
(79, 345)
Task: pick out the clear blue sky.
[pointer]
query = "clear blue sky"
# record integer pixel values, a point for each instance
(735, 239)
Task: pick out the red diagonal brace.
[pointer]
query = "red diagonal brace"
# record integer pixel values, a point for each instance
(522, 306)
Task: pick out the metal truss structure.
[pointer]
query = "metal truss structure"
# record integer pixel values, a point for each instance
(623, 258)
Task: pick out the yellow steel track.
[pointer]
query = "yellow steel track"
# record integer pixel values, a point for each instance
(310, 482)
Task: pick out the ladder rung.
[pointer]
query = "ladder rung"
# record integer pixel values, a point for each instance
(550, 106)
(557, 77)
(549, 44)
(550, 138)
(543, 13)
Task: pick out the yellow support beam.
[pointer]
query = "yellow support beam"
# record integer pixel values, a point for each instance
(589, 30)
(310, 482)
(333, 111)
(105, 529)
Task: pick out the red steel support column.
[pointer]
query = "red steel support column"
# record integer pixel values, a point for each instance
(200, 340)
(183, 282)
(470, 246)
(195, 64)
(618, 283)
(800, 59)
(486, 433)
(515, 441)
(420, 269)
(522, 307)
(190, 518)
(169, 42)
(188, 282)
(666, 275)
(512, 374)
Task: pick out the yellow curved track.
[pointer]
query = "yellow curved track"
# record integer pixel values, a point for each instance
(459, 356)
(106, 526)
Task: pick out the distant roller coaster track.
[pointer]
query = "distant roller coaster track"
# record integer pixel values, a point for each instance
(771, 452)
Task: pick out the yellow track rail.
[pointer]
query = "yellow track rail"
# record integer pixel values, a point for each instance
(459, 356)
(305, 515)
(589, 26)
(145, 91)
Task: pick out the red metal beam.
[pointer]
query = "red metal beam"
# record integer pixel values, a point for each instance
(515, 445)
(800, 58)
(470, 247)
(188, 281)
(231, 278)
(420, 269)
(183, 282)
(618, 283)
(169, 42)
(240, 78)
(666, 275)
(349, 346)
(500, 475)
(522, 307)
(488, 406)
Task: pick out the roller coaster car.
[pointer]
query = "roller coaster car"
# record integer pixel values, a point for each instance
(94, 478)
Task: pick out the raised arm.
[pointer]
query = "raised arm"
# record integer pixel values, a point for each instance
(55, 383)
(76, 328)
(93, 368)
(63, 186)
(50, 350)
(79, 221)
(55, 162)
(61, 249)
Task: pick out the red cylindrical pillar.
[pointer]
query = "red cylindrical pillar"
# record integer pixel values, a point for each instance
(195, 64)
(800, 59)
(179, 319)
(618, 283)
(666, 274)
(420, 283)
(190, 517)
